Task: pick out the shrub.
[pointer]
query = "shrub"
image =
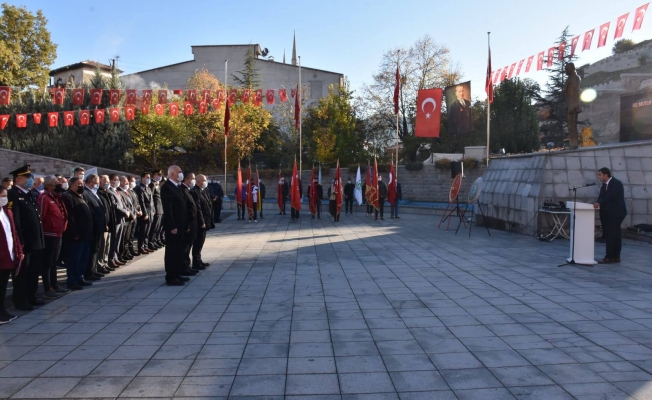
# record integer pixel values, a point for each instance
(443, 163)
(469, 163)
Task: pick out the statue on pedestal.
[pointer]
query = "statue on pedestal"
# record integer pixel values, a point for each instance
(573, 106)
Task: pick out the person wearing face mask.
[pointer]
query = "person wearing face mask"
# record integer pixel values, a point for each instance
(175, 225)
(55, 220)
(11, 253)
(109, 216)
(64, 183)
(349, 195)
(146, 203)
(79, 172)
(203, 201)
(125, 244)
(195, 221)
(318, 191)
(139, 214)
(157, 223)
(79, 234)
(37, 186)
(122, 214)
(382, 195)
(91, 186)
(27, 220)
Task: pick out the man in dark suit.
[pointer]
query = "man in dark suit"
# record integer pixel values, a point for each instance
(261, 195)
(92, 199)
(613, 205)
(459, 113)
(146, 202)
(109, 216)
(203, 201)
(122, 215)
(175, 225)
(195, 221)
(30, 231)
(285, 192)
(157, 223)
(79, 234)
(349, 195)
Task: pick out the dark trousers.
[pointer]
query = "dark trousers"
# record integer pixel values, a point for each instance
(186, 245)
(132, 236)
(381, 207)
(126, 242)
(294, 213)
(197, 246)
(103, 251)
(394, 210)
(4, 278)
(26, 283)
(155, 229)
(50, 261)
(91, 268)
(613, 237)
(370, 209)
(255, 212)
(317, 209)
(261, 207)
(602, 222)
(217, 210)
(143, 232)
(77, 258)
(115, 245)
(173, 255)
(348, 203)
(241, 211)
(284, 201)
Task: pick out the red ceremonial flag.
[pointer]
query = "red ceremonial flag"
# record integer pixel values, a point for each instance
(147, 96)
(216, 104)
(96, 97)
(561, 50)
(258, 97)
(131, 96)
(283, 95)
(367, 185)
(497, 76)
(3, 121)
(144, 109)
(187, 108)
(588, 38)
(620, 26)
(77, 97)
(297, 110)
(293, 92)
(98, 116)
(5, 95)
(238, 186)
(245, 95)
(221, 95)
(391, 186)
(68, 118)
(177, 92)
(84, 117)
(202, 107)
(574, 43)
(270, 96)
(192, 96)
(227, 118)
(638, 17)
(503, 75)
(114, 113)
(551, 56)
(604, 32)
(374, 184)
(397, 84)
(130, 112)
(295, 196)
(59, 95)
(279, 193)
(53, 117)
(488, 85)
(529, 64)
(37, 118)
(260, 201)
(233, 96)
(428, 113)
(114, 96)
(174, 109)
(511, 71)
(162, 96)
(520, 65)
(540, 61)
(338, 189)
(206, 96)
(159, 109)
(313, 193)
(250, 195)
(21, 120)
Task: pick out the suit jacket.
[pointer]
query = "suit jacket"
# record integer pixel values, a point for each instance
(261, 191)
(349, 190)
(459, 118)
(109, 208)
(26, 219)
(195, 219)
(134, 201)
(286, 190)
(120, 209)
(145, 200)
(613, 201)
(128, 204)
(80, 217)
(204, 206)
(175, 209)
(99, 217)
(156, 198)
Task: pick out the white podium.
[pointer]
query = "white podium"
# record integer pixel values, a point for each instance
(583, 236)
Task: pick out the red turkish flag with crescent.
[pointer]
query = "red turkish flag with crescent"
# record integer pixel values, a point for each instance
(540, 61)
(77, 97)
(114, 96)
(221, 95)
(205, 96)
(84, 117)
(147, 96)
(21, 120)
(283, 95)
(162, 96)
(258, 97)
(217, 104)
(496, 76)
(293, 92)
(295, 195)
(551, 56)
(68, 118)
(604, 32)
(174, 109)
(159, 109)
(588, 38)
(131, 97)
(638, 17)
(520, 65)
(561, 50)
(144, 109)
(37, 118)
(574, 43)
(529, 64)
(130, 112)
(620, 26)
(187, 108)
(203, 106)
(192, 96)
(96, 97)
(245, 95)
(270, 96)
(98, 115)
(5, 95)
(3, 121)
(511, 70)
(59, 95)
(115, 114)
(53, 118)
(177, 91)
(233, 96)
(428, 121)
(503, 74)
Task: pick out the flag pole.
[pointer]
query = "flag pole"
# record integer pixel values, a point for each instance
(399, 88)
(300, 109)
(488, 104)
(226, 137)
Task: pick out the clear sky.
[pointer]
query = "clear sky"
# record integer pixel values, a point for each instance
(342, 36)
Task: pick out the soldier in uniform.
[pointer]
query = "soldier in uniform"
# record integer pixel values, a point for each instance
(27, 220)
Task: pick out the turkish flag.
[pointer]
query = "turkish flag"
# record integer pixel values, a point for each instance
(496, 76)
(233, 96)
(561, 50)
(270, 96)
(295, 195)
(293, 92)
(84, 117)
(297, 111)
(391, 186)
(3, 121)
(192, 96)
(68, 118)
(520, 65)
(249, 193)
(397, 85)
(529, 64)
(338, 189)
(96, 97)
(21, 120)
(227, 118)
(5, 95)
(177, 91)
(540, 61)
(258, 97)
(620, 26)
(428, 120)
(588, 38)
(574, 43)
(37, 118)
(187, 108)
(216, 104)
(115, 114)
(488, 85)
(144, 109)
(221, 95)
(130, 112)
(131, 96)
(604, 32)
(283, 95)
(203, 106)
(503, 74)
(374, 184)
(77, 97)
(159, 108)
(114, 96)
(245, 95)
(98, 115)
(174, 109)
(638, 17)
(511, 71)
(206, 95)
(551, 56)
(162, 96)
(53, 118)
(59, 95)
(147, 96)
(238, 184)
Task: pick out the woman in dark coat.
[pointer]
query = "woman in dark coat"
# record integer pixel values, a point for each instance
(11, 253)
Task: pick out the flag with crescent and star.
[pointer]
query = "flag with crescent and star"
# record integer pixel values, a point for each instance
(77, 97)
(397, 88)
(68, 118)
(604, 32)
(520, 66)
(588, 38)
(283, 95)
(638, 17)
(37, 118)
(3, 121)
(84, 117)
(561, 50)
(5, 95)
(59, 94)
(551, 56)
(147, 96)
(227, 118)
(540, 61)
(53, 117)
(238, 186)
(488, 85)
(428, 113)
(21, 121)
(574, 43)
(528, 65)
(98, 115)
(620, 26)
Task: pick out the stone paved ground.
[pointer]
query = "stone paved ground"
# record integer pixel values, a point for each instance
(360, 310)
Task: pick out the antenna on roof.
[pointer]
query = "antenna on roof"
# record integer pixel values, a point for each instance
(265, 52)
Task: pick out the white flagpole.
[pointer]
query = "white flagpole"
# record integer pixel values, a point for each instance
(399, 94)
(488, 105)
(300, 110)
(226, 137)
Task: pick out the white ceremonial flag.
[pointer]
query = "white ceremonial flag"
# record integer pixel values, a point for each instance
(358, 187)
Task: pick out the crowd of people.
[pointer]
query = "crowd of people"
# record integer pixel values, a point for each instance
(93, 224)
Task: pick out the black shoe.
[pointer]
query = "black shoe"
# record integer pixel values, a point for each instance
(183, 278)
(105, 270)
(91, 278)
(127, 258)
(382, 219)
(198, 267)
(24, 306)
(205, 264)
(112, 266)
(174, 282)
(84, 283)
(36, 302)
(5, 319)
(75, 286)
(98, 274)
(397, 217)
(188, 273)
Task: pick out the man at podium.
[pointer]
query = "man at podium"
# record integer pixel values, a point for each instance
(612, 204)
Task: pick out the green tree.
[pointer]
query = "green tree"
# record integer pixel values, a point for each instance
(514, 123)
(26, 51)
(622, 46)
(249, 77)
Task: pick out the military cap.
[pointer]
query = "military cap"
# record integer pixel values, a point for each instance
(22, 171)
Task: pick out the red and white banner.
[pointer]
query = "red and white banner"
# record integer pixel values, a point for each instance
(604, 32)
(77, 97)
(68, 118)
(5, 95)
(588, 38)
(3, 121)
(59, 95)
(270, 96)
(21, 120)
(114, 97)
(638, 17)
(115, 114)
(130, 113)
(53, 118)
(131, 97)
(428, 121)
(84, 117)
(98, 115)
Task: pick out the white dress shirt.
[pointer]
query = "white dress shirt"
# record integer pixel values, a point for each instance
(6, 225)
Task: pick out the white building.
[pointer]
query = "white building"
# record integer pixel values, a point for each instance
(79, 73)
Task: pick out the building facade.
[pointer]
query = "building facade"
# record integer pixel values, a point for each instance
(79, 73)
